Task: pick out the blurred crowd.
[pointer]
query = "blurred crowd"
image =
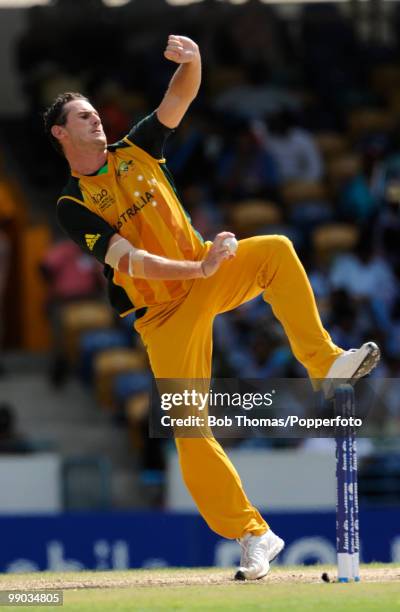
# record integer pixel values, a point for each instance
(296, 130)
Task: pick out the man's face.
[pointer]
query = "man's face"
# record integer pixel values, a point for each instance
(83, 129)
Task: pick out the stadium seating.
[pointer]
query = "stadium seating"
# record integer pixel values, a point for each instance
(331, 144)
(108, 364)
(333, 238)
(369, 120)
(341, 169)
(77, 318)
(248, 216)
(94, 342)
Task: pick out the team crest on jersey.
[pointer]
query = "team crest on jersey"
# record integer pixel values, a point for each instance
(123, 167)
(91, 240)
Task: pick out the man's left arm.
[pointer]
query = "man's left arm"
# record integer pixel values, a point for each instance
(185, 82)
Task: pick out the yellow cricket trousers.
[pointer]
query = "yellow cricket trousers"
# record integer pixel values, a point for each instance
(178, 338)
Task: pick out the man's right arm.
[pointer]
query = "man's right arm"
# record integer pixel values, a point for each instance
(123, 256)
(95, 236)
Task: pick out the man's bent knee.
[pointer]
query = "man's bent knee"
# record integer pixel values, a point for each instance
(279, 242)
(283, 241)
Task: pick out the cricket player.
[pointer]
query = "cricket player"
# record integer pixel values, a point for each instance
(121, 206)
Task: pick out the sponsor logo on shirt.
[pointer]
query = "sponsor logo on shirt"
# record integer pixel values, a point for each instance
(91, 240)
(133, 210)
(103, 199)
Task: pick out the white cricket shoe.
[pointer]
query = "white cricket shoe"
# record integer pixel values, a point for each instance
(350, 366)
(257, 554)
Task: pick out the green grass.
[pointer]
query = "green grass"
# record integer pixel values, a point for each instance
(285, 589)
(285, 597)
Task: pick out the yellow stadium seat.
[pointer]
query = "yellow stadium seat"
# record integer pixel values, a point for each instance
(333, 238)
(366, 120)
(385, 78)
(111, 362)
(343, 168)
(137, 410)
(250, 215)
(220, 79)
(79, 317)
(296, 192)
(394, 102)
(331, 144)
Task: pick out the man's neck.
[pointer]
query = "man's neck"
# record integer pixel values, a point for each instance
(87, 163)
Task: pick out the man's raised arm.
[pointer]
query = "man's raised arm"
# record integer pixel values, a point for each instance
(185, 82)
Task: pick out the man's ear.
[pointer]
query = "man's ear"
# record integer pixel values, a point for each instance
(57, 131)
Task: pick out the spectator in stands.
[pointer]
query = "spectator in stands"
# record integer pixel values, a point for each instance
(369, 287)
(364, 274)
(267, 356)
(359, 198)
(292, 148)
(356, 202)
(345, 323)
(255, 97)
(386, 188)
(71, 276)
(187, 156)
(247, 169)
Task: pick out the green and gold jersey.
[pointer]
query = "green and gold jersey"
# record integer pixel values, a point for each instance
(134, 196)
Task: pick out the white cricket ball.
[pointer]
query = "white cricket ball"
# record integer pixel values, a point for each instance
(231, 244)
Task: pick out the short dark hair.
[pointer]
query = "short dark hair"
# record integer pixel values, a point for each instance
(55, 114)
